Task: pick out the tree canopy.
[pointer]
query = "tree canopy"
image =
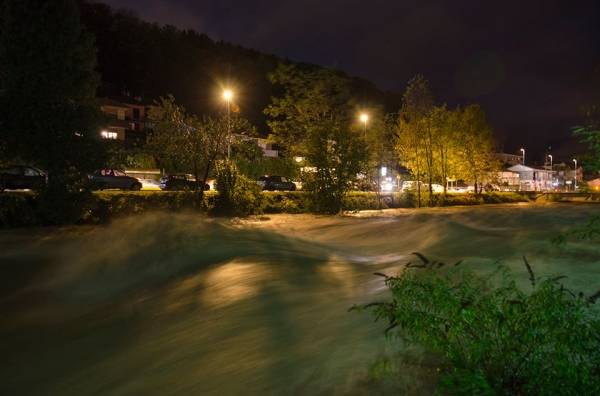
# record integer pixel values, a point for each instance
(48, 86)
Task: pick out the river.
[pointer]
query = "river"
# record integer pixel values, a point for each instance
(167, 304)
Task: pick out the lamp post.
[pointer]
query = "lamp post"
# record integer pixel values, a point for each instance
(227, 96)
(523, 151)
(364, 118)
(551, 171)
(575, 161)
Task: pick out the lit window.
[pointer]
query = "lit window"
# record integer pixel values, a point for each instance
(108, 134)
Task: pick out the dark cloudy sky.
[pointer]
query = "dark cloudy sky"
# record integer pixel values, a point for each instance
(528, 62)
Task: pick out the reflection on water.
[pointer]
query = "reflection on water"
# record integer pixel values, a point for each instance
(176, 304)
(233, 282)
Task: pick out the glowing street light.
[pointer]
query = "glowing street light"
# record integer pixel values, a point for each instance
(364, 118)
(575, 161)
(227, 97)
(551, 170)
(523, 151)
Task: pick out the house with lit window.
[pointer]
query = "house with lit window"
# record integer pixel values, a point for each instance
(125, 120)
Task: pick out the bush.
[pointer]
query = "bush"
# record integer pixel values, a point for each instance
(65, 199)
(23, 209)
(496, 339)
(110, 204)
(17, 210)
(284, 202)
(503, 197)
(238, 195)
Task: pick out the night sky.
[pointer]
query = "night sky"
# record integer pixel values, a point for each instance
(528, 63)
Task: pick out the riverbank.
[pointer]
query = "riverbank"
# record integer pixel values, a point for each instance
(25, 209)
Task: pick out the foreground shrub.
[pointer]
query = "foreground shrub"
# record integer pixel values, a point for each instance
(503, 197)
(496, 339)
(238, 195)
(284, 202)
(65, 199)
(23, 209)
(17, 210)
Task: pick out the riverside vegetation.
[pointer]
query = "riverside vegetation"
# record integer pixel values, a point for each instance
(26, 209)
(492, 337)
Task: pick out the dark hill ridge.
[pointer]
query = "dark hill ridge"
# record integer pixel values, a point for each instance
(151, 60)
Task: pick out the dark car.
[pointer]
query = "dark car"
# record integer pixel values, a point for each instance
(114, 179)
(19, 177)
(272, 183)
(180, 182)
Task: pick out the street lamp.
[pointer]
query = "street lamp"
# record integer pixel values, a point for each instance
(227, 97)
(575, 161)
(523, 151)
(551, 171)
(364, 118)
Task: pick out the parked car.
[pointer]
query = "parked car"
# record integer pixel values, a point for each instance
(114, 179)
(18, 177)
(408, 185)
(461, 189)
(436, 188)
(180, 182)
(272, 183)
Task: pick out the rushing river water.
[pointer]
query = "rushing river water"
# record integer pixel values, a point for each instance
(180, 304)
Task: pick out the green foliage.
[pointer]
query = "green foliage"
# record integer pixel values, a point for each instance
(494, 337)
(185, 143)
(148, 59)
(313, 118)
(112, 204)
(48, 114)
(80, 207)
(588, 231)
(238, 195)
(284, 202)
(437, 144)
(590, 135)
(119, 157)
(173, 140)
(251, 162)
(17, 210)
(65, 201)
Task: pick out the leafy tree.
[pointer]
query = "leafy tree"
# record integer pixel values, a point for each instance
(590, 135)
(313, 118)
(252, 163)
(150, 60)
(436, 144)
(170, 139)
(379, 138)
(415, 143)
(185, 143)
(475, 146)
(237, 194)
(47, 94)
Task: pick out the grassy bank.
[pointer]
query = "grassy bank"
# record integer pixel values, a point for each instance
(23, 209)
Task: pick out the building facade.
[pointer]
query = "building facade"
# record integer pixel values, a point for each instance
(126, 120)
(533, 179)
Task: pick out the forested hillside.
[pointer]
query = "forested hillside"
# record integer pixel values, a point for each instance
(149, 60)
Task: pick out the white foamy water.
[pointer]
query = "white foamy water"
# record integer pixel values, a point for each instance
(180, 304)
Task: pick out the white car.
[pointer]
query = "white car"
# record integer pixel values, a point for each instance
(461, 189)
(408, 185)
(436, 188)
